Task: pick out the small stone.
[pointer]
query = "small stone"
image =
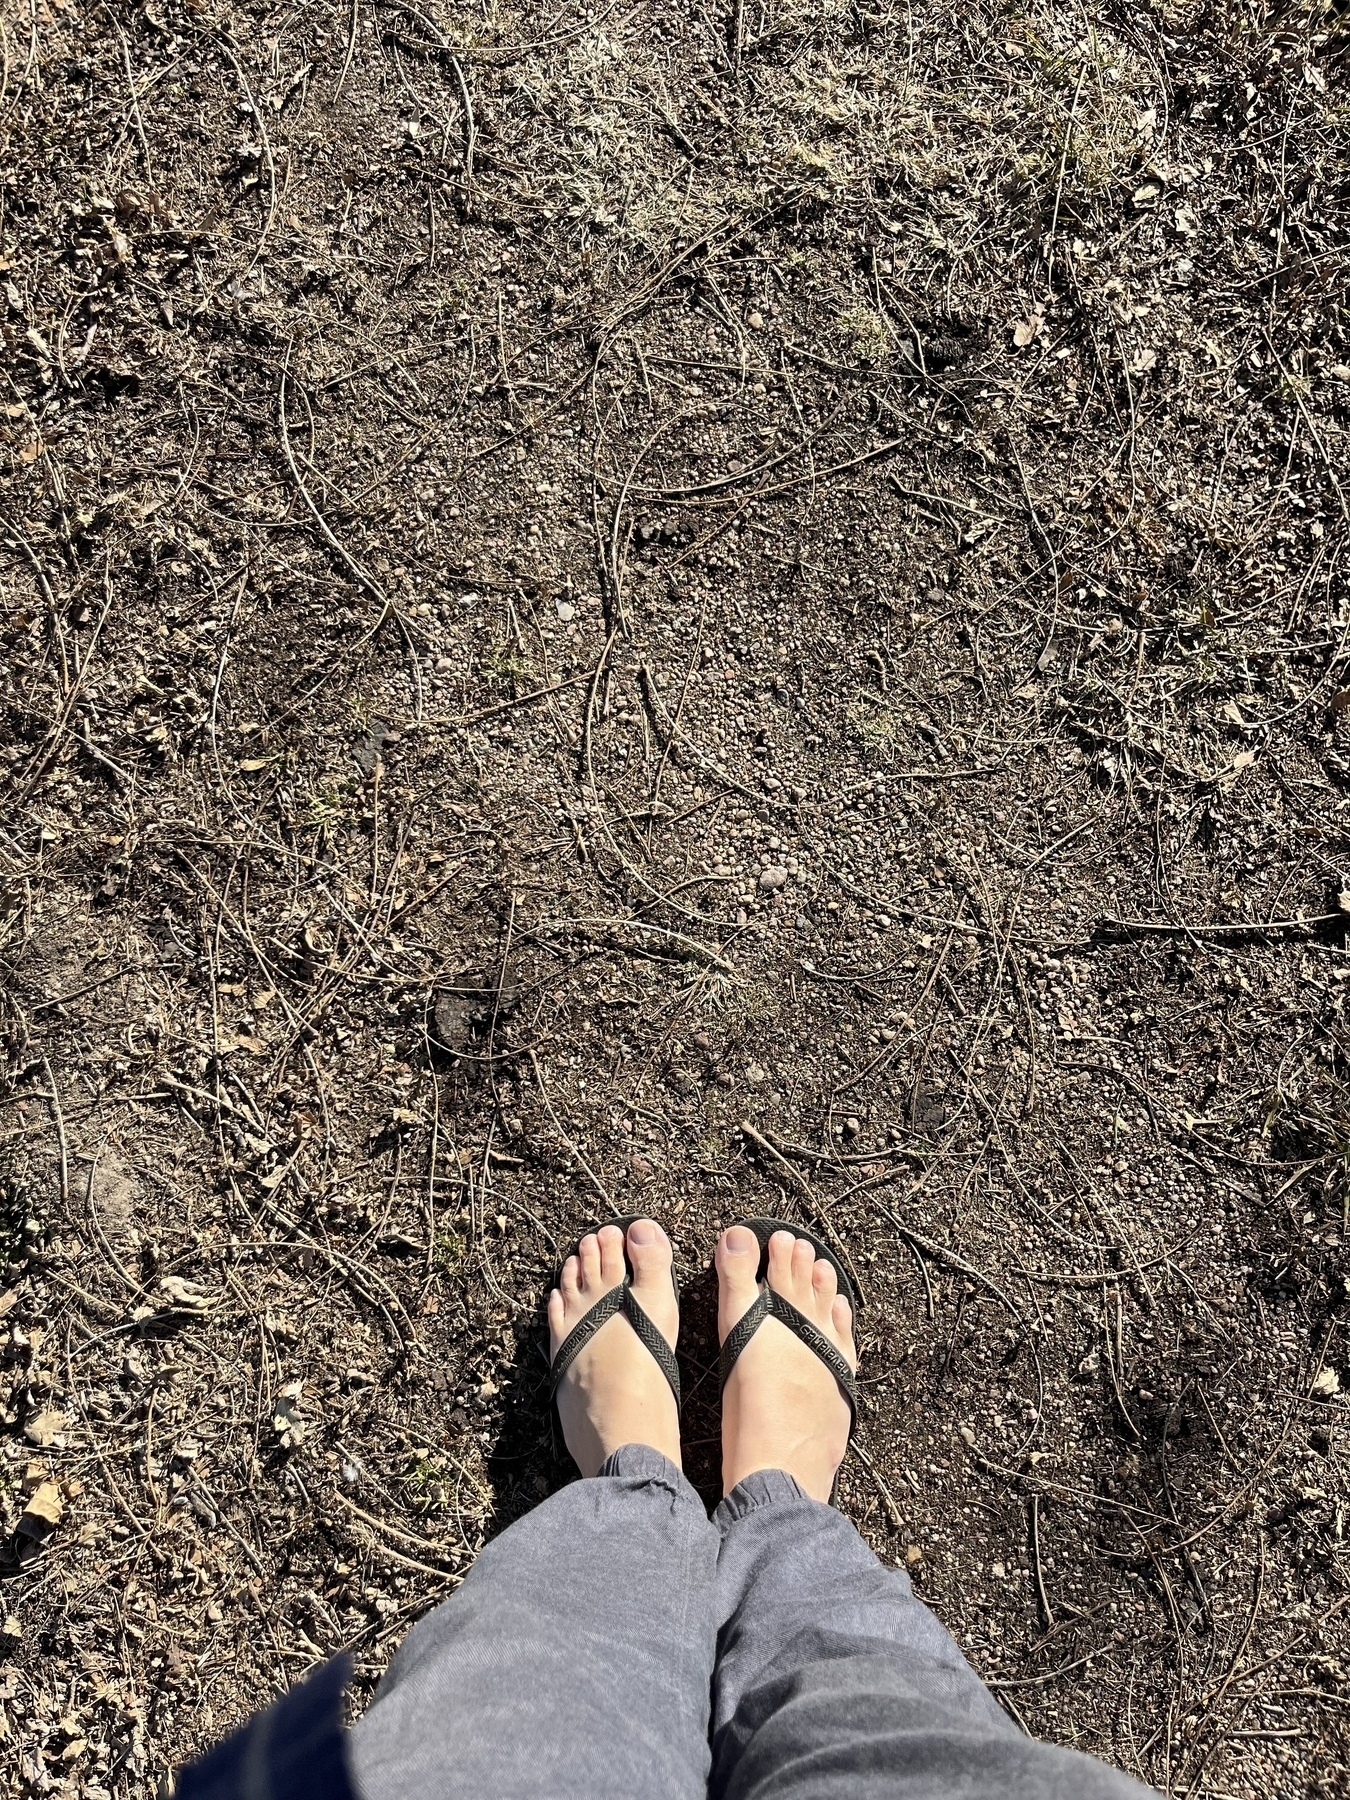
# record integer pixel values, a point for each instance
(771, 879)
(566, 611)
(913, 1554)
(967, 1436)
(998, 1572)
(755, 321)
(883, 922)
(642, 1169)
(756, 1075)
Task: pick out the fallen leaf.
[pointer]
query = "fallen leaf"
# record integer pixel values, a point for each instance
(45, 1504)
(42, 1514)
(1146, 360)
(1147, 194)
(8, 1301)
(286, 1420)
(187, 1296)
(1027, 330)
(1326, 1384)
(45, 1428)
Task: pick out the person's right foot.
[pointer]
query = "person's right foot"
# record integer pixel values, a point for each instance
(614, 1392)
(781, 1407)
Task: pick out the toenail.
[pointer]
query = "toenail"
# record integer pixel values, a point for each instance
(642, 1231)
(735, 1249)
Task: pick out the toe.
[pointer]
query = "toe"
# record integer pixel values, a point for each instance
(824, 1282)
(803, 1263)
(651, 1256)
(610, 1239)
(649, 1249)
(588, 1255)
(781, 1246)
(841, 1318)
(737, 1271)
(557, 1317)
(570, 1280)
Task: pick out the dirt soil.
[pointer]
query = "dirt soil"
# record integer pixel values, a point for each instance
(708, 611)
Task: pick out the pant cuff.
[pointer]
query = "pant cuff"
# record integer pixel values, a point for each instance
(766, 1487)
(639, 1462)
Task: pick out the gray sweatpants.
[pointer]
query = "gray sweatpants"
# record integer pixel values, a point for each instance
(616, 1644)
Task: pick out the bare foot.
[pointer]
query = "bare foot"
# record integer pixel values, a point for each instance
(614, 1392)
(781, 1407)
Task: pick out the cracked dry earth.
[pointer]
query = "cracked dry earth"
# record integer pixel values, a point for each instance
(700, 611)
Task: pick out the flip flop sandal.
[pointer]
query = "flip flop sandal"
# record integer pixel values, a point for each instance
(615, 1300)
(769, 1304)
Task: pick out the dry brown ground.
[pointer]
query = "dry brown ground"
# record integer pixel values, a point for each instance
(707, 610)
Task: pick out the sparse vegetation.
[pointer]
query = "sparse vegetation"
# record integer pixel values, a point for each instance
(711, 612)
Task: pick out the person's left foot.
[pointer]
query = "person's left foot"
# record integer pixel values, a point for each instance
(614, 1392)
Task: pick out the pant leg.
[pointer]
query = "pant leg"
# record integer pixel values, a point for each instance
(832, 1680)
(575, 1660)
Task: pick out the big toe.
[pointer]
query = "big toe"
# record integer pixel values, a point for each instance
(650, 1253)
(737, 1262)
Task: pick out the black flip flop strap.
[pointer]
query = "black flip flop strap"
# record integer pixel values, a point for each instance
(769, 1304)
(616, 1299)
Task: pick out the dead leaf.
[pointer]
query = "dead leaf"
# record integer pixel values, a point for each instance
(8, 1301)
(186, 1296)
(1326, 1384)
(1146, 360)
(286, 1420)
(45, 1428)
(43, 1512)
(1027, 330)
